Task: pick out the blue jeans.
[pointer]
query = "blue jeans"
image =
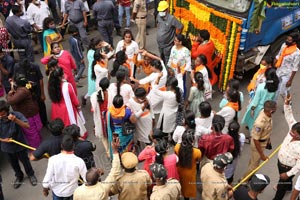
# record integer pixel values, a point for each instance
(61, 198)
(127, 12)
(80, 70)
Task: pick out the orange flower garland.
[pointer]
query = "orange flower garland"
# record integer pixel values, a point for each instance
(199, 16)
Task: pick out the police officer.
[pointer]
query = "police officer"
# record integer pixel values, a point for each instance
(76, 12)
(104, 11)
(133, 184)
(20, 30)
(261, 133)
(139, 14)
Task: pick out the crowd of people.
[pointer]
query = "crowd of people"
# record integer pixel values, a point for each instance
(164, 119)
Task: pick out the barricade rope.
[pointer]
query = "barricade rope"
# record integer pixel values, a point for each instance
(256, 169)
(33, 149)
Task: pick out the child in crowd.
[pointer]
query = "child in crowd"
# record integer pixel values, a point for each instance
(76, 49)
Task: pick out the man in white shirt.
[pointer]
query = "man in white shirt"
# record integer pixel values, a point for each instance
(204, 121)
(63, 171)
(287, 63)
(289, 154)
(37, 11)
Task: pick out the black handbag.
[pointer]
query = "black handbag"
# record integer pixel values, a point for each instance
(128, 128)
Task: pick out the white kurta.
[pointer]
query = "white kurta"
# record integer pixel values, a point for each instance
(144, 121)
(154, 99)
(228, 113)
(130, 51)
(125, 91)
(203, 125)
(182, 57)
(207, 84)
(96, 114)
(100, 73)
(167, 117)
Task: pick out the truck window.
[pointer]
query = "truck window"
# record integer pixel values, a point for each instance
(239, 6)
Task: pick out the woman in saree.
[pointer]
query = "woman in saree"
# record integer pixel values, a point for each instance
(117, 114)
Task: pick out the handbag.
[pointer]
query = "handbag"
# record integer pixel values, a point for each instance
(128, 128)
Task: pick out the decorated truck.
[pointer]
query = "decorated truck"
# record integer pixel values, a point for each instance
(243, 31)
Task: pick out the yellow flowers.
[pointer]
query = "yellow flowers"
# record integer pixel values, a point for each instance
(224, 32)
(28, 86)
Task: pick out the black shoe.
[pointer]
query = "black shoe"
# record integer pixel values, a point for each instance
(18, 182)
(33, 180)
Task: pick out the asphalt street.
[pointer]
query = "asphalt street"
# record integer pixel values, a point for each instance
(280, 129)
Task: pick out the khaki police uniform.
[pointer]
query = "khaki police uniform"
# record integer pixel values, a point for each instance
(140, 11)
(132, 186)
(261, 131)
(170, 190)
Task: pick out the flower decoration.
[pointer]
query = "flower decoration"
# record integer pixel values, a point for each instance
(28, 86)
(224, 31)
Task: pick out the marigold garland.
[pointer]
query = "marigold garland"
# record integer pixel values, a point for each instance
(226, 36)
(230, 55)
(225, 55)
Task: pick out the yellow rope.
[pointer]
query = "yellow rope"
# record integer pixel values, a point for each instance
(23, 145)
(33, 149)
(255, 170)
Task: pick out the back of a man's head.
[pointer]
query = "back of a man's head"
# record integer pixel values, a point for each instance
(67, 143)
(15, 9)
(204, 34)
(92, 176)
(269, 105)
(72, 130)
(205, 109)
(56, 126)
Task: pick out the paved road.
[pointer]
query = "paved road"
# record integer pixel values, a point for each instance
(28, 192)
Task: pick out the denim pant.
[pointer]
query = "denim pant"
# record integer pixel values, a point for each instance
(127, 12)
(61, 198)
(80, 70)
